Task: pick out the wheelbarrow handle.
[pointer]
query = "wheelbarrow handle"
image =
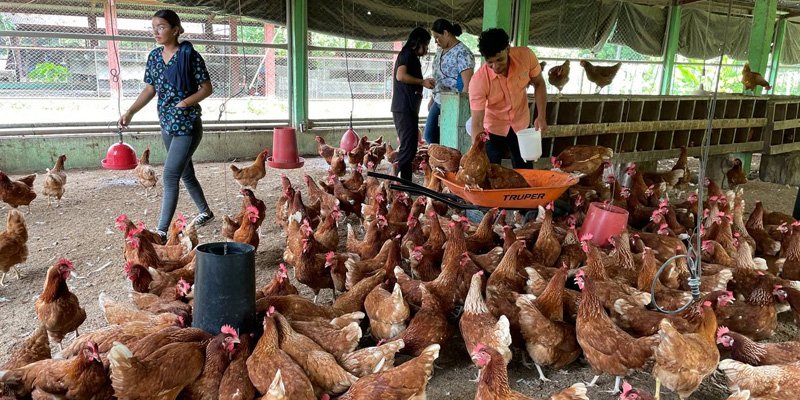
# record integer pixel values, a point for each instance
(411, 187)
(423, 191)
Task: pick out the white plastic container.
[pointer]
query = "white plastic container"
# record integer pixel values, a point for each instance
(530, 144)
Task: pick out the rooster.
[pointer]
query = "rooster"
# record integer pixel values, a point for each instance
(55, 181)
(558, 76)
(57, 308)
(16, 193)
(250, 175)
(13, 244)
(600, 76)
(145, 173)
(752, 79)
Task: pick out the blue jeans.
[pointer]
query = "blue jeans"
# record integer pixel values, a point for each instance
(177, 166)
(431, 133)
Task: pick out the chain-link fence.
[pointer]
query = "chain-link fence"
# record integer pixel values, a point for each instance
(788, 80)
(58, 63)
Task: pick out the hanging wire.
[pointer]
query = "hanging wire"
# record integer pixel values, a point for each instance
(242, 88)
(114, 73)
(347, 60)
(693, 253)
(222, 107)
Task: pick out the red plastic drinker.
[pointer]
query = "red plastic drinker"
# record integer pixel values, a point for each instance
(604, 221)
(284, 149)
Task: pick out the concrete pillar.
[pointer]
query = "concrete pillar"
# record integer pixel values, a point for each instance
(781, 168)
(452, 121)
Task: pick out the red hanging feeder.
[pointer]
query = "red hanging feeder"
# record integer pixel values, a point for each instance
(349, 140)
(120, 156)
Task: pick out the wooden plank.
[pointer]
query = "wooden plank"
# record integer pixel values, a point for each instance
(649, 126)
(789, 123)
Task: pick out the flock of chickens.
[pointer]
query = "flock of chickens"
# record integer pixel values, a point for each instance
(536, 291)
(602, 76)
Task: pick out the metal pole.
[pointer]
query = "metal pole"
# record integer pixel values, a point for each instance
(776, 53)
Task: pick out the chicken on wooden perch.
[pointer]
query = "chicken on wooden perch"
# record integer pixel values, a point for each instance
(600, 76)
(558, 76)
(752, 79)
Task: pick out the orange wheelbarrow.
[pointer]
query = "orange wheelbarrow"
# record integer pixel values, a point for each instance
(546, 187)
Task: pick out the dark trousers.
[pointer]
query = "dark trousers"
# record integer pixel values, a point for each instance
(407, 125)
(497, 146)
(796, 213)
(431, 133)
(178, 166)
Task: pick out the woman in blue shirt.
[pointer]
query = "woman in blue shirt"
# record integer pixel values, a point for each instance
(177, 74)
(453, 66)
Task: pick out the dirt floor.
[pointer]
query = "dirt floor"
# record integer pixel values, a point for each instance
(83, 230)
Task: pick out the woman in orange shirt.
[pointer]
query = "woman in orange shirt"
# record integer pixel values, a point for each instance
(498, 97)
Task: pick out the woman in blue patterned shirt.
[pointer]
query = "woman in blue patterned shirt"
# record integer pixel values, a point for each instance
(177, 74)
(453, 66)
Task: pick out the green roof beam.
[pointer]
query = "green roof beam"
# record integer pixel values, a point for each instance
(522, 16)
(497, 14)
(670, 49)
(298, 59)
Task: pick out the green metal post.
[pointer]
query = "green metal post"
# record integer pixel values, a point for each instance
(776, 53)
(670, 49)
(298, 59)
(523, 18)
(497, 14)
(764, 14)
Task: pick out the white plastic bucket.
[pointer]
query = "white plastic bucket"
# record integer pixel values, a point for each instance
(468, 126)
(530, 144)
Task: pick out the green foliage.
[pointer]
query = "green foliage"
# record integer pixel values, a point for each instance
(49, 73)
(5, 22)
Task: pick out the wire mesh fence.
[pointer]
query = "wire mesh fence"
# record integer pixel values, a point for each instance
(58, 63)
(55, 61)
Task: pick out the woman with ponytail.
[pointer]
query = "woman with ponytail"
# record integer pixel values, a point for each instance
(453, 66)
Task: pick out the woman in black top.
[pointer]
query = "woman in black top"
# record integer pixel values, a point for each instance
(407, 97)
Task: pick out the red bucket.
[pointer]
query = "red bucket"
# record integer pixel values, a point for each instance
(284, 149)
(604, 221)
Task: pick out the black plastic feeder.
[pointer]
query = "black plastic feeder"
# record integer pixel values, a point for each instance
(225, 287)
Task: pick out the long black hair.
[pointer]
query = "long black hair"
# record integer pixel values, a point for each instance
(171, 17)
(419, 37)
(441, 25)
